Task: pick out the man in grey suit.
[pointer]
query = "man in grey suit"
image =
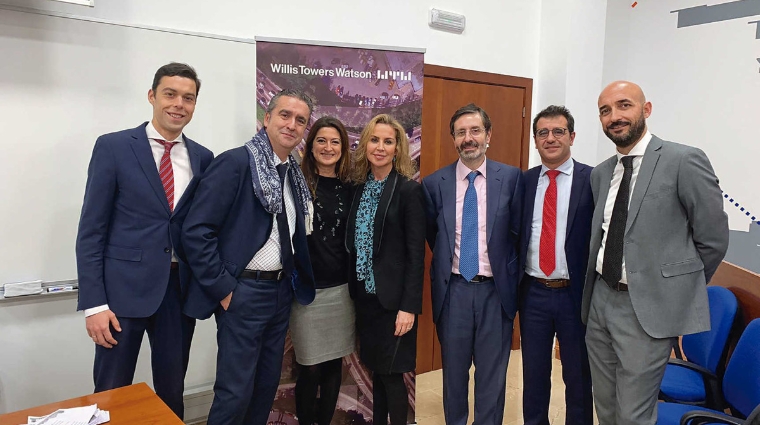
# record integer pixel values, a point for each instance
(651, 255)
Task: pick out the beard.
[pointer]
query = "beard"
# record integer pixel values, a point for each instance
(634, 133)
(479, 152)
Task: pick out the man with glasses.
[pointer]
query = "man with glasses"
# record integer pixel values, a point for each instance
(554, 244)
(658, 234)
(474, 207)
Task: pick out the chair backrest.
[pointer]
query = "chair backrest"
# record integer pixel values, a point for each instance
(706, 348)
(741, 383)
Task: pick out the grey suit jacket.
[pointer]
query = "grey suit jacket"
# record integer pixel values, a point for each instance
(675, 238)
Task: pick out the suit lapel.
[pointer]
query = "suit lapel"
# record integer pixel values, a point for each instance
(579, 180)
(531, 186)
(195, 166)
(493, 193)
(448, 188)
(382, 209)
(648, 164)
(605, 177)
(141, 148)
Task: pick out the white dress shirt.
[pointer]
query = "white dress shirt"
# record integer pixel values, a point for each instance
(183, 173)
(268, 257)
(617, 175)
(564, 186)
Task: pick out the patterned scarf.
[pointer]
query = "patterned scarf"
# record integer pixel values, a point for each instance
(365, 231)
(266, 181)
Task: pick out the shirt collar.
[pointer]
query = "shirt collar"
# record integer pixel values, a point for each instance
(463, 170)
(152, 133)
(565, 168)
(640, 148)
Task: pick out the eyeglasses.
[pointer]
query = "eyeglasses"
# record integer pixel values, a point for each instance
(544, 133)
(474, 132)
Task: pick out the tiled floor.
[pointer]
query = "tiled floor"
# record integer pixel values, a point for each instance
(429, 399)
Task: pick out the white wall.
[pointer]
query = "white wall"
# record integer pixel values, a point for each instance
(570, 68)
(67, 82)
(703, 83)
(501, 36)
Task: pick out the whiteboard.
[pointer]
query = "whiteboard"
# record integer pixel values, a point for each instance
(63, 83)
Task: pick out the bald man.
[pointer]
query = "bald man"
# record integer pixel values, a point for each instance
(658, 234)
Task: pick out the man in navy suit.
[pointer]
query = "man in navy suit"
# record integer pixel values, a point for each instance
(245, 239)
(132, 276)
(474, 207)
(554, 246)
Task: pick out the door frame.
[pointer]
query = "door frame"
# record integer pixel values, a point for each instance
(428, 348)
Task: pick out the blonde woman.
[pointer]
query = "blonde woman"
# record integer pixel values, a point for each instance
(386, 244)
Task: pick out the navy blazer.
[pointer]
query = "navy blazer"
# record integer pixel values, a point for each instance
(126, 230)
(578, 235)
(224, 229)
(504, 188)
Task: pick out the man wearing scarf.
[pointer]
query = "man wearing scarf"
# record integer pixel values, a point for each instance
(245, 238)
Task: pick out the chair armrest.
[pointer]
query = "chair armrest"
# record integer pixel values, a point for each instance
(695, 367)
(713, 391)
(700, 417)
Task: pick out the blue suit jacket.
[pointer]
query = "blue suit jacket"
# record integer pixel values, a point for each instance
(225, 228)
(578, 234)
(504, 188)
(126, 230)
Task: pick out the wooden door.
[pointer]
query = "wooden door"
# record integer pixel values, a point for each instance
(507, 101)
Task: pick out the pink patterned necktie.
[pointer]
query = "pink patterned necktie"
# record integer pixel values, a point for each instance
(547, 258)
(166, 172)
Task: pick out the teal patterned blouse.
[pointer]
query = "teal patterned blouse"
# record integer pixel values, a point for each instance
(365, 230)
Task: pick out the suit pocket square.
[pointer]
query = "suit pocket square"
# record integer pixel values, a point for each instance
(682, 267)
(122, 253)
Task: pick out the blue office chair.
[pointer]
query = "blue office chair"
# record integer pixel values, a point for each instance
(697, 381)
(741, 389)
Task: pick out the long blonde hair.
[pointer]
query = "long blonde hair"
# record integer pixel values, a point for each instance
(402, 162)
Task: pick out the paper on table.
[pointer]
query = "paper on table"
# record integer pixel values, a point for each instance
(87, 415)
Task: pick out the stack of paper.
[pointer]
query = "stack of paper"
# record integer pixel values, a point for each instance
(88, 415)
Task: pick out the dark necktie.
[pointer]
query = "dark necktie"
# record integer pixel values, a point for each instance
(547, 258)
(469, 263)
(286, 251)
(166, 172)
(612, 265)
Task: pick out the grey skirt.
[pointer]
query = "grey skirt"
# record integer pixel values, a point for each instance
(323, 330)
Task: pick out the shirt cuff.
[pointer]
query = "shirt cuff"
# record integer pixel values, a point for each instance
(95, 310)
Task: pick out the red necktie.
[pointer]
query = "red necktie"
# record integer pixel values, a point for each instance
(166, 172)
(546, 256)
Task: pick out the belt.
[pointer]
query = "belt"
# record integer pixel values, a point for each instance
(262, 274)
(553, 283)
(620, 287)
(175, 265)
(477, 279)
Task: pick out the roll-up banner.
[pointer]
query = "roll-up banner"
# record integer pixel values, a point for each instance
(353, 84)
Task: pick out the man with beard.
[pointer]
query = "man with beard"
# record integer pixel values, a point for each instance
(245, 240)
(557, 211)
(474, 207)
(658, 234)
